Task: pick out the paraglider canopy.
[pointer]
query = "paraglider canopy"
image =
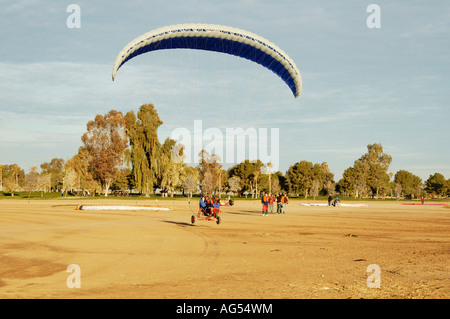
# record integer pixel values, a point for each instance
(215, 38)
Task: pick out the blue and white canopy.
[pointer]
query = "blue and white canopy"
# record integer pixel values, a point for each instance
(215, 38)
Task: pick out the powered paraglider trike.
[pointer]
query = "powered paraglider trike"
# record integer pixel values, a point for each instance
(209, 210)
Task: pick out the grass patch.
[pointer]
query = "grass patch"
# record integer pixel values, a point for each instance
(57, 195)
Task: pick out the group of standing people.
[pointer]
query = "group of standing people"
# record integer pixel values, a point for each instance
(268, 202)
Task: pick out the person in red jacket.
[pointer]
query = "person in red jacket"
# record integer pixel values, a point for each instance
(271, 202)
(284, 201)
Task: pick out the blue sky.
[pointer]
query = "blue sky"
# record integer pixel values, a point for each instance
(360, 86)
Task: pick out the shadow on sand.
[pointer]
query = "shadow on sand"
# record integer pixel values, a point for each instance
(183, 224)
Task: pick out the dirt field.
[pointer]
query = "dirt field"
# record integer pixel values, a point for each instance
(306, 253)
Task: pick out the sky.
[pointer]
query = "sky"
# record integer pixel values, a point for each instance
(361, 85)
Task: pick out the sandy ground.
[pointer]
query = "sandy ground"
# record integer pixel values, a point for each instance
(306, 253)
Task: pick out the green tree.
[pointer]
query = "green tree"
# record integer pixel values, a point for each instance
(436, 185)
(448, 187)
(354, 180)
(327, 177)
(13, 178)
(374, 166)
(300, 177)
(283, 183)
(142, 133)
(378, 180)
(408, 182)
(79, 163)
(346, 184)
(168, 171)
(248, 172)
(123, 179)
(56, 170)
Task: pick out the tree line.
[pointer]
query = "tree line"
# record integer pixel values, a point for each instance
(123, 153)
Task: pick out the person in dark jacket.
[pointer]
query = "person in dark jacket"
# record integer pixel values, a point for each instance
(279, 205)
